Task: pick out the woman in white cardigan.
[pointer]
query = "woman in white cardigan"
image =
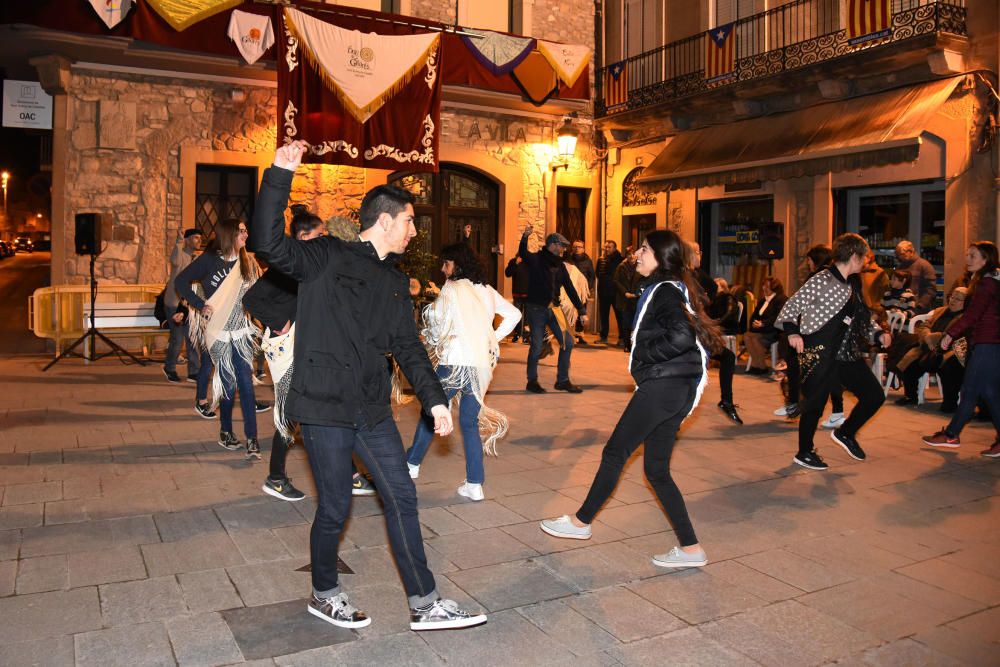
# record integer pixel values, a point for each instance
(464, 347)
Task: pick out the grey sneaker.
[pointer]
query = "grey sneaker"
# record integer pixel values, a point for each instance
(563, 527)
(360, 486)
(338, 611)
(228, 440)
(443, 615)
(253, 449)
(677, 558)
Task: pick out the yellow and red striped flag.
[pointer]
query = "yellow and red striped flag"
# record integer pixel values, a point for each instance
(720, 52)
(616, 85)
(867, 20)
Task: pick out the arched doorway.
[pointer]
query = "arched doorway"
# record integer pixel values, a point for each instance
(452, 205)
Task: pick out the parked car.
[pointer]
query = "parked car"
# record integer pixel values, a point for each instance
(43, 245)
(5, 250)
(23, 244)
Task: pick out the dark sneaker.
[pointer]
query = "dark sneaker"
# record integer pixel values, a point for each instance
(253, 449)
(193, 379)
(730, 411)
(204, 410)
(602, 341)
(849, 444)
(905, 400)
(534, 387)
(261, 406)
(994, 451)
(811, 461)
(580, 341)
(171, 376)
(360, 486)
(283, 489)
(228, 440)
(568, 386)
(443, 615)
(338, 611)
(942, 439)
(792, 411)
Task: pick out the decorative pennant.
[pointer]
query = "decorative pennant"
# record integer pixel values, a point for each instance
(181, 14)
(252, 33)
(497, 52)
(364, 70)
(568, 60)
(536, 78)
(401, 129)
(112, 12)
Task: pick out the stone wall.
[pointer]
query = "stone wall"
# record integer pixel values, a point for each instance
(567, 21)
(434, 10)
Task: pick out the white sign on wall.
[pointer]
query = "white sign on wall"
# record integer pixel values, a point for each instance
(25, 104)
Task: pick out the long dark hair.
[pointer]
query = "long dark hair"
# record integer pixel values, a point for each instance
(467, 263)
(989, 252)
(673, 261)
(224, 244)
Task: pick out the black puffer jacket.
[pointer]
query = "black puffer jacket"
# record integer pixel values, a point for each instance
(665, 343)
(354, 311)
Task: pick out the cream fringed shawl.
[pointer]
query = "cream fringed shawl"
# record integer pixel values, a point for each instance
(228, 326)
(459, 333)
(278, 352)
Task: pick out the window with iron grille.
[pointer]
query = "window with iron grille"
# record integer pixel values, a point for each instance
(223, 192)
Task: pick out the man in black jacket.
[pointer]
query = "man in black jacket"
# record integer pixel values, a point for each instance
(581, 260)
(606, 290)
(353, 312)
(547, 273)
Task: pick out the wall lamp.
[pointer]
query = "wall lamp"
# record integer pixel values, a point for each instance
(566, 138)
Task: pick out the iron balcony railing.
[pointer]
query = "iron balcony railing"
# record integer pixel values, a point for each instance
(794, 35)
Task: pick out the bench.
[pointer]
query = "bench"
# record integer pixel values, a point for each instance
(124, 319)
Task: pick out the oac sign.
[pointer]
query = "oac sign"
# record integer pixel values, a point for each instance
(25, 104)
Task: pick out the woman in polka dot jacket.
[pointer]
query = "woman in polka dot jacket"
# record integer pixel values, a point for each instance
(828, 323)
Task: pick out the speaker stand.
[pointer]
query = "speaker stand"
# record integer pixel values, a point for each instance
(92, 335)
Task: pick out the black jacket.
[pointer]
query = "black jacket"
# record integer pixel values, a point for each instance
(546, 274)
(769, 317)
(627, 281)
(606, 274)
(585, 266)
(519, 272)
(665, 344)
(272, 300)
(354, 310)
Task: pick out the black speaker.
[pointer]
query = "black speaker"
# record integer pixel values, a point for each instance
(88, 234)
(771, 240)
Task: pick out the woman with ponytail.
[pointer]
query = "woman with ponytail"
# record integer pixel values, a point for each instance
(221, 327)
(672, 340)
(464, 348)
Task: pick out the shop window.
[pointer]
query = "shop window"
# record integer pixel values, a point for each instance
(571, 213)
(223, 192)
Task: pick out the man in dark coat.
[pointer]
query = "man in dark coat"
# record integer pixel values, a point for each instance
(606, 290)
(581, 260)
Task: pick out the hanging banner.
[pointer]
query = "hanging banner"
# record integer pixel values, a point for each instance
(365, 100)
(568, 60)
(497, 52)
(868, 20)
(536, 79)
(252, 34)
(181, 14)
(112, 12)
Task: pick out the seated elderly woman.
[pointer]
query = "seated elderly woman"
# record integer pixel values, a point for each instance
(762, 331)
(924, 355)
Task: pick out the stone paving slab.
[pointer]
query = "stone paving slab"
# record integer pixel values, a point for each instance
(280, 629)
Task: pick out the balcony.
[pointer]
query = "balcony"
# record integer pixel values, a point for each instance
(789, 38)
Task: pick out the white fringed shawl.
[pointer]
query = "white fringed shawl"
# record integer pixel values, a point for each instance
(459, 333)
(229, 325)
(278, 352)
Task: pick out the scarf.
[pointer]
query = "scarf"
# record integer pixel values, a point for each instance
(459, 334)
(278, 354)
(228, 329)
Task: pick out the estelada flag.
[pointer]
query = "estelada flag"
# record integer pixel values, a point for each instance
(616, 84)
(867, 20)
(720, 52)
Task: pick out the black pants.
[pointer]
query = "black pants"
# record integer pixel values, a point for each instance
(606, 303)
(652, 417)
(727, 366)
(279, 452)
(857, 378)
(519, 327)
(951, 373)
(792, 373)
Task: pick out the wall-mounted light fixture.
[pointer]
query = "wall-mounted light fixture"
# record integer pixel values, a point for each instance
(566, 138)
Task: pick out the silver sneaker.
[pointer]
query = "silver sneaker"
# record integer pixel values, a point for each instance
(444, 615)
(338, 611)
(253, 449)
(228, 440)
(677, 558)
(563, 527)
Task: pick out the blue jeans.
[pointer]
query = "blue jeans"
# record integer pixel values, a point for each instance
(381, 450)
(468, 420)
(243, 385)
(538, 318)
(179, 334)
(980, 384)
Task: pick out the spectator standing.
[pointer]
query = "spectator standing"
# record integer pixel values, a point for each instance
(626, 296)
(874, 282)
(185, 250)
(606, 290)
(517, 270)
(923, 276)
(582, 261)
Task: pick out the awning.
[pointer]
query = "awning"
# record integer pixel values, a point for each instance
(858, 133)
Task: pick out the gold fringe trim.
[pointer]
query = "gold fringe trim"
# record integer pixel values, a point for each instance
(165, 9)
(361, 114)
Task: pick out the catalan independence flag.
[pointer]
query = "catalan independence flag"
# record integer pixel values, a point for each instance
(867, 20)
(720, 52)
(616, 84)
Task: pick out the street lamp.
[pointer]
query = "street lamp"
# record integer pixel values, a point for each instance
(5, 176)
(566, 138)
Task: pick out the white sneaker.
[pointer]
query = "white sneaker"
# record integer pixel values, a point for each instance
(414, 470)
(471, 491)
(678, 558)
(835, 420)
(782, 411)
(563, 527)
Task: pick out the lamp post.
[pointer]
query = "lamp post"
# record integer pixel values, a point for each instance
(5, 176)
(566, 139)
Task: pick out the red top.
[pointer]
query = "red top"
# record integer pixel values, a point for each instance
(981, 320)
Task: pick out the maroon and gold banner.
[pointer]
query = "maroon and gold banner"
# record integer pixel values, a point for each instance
(402, 131)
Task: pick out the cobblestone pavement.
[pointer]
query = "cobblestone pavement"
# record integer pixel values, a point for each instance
(128, 537)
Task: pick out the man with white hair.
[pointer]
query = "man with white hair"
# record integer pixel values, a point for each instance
(922, 274)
